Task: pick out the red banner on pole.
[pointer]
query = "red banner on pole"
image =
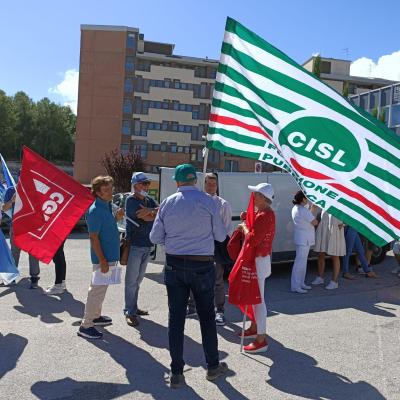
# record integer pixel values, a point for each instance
(48, 205)
(243, 281)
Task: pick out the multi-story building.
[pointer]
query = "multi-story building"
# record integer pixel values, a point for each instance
(136, 95)
(384, 103)
(336, 73)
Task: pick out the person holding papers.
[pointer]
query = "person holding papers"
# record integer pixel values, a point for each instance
(104, 249)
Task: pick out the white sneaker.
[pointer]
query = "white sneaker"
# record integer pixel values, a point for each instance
(55, 289)
(63, 285)
(306, 287)
(360, 271)
(299, 290)
(396, 270)
(317, 281)
(332, 285)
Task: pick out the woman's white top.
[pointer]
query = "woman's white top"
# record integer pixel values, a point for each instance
(304, 232)
(329, 237)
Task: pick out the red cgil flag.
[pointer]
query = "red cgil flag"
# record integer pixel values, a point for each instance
(243, 283)
(48, 205)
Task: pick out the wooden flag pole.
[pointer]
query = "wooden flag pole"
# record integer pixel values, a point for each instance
(244, 322)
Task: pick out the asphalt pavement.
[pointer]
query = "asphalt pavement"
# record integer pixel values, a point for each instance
(341, 344)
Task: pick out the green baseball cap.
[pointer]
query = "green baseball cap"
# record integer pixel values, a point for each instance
(185, 173)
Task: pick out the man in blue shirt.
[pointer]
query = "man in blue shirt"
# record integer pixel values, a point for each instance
(141, 211)
(187, 224)
(104, 250)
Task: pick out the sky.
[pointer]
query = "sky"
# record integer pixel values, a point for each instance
(40, 40)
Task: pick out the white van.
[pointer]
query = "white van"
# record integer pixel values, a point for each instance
(233, 188)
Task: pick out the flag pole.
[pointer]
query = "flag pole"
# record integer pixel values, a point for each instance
(205, 161)
(244, 322)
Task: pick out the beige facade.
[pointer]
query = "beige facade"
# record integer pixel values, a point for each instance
(136, 95)
(336, 73)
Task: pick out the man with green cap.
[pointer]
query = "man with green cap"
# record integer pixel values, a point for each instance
(187, 224)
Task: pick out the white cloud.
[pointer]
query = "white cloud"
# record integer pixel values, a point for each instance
(387, 67)
(67, 89)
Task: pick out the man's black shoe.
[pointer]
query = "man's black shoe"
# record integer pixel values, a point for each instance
(132, 320)
(214, 373)
(176, 381)
(102, 321)
(34, 282)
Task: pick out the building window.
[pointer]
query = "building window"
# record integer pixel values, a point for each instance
(373, 100)
(396, 94)
(354, 100)
(131, 41)
(130, 64)
(127, 106)
(363, 101)
(126, 127)
(156, 147)
(143, 65)
(213, 156)
(385, 96)
(140, 148)
(124, 148)
(136, 127)
(325, 67)
(128, 85)
(231, 166)
(395, 115)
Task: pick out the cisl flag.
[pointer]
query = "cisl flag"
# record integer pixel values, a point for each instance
(267, 107)
(48, 205)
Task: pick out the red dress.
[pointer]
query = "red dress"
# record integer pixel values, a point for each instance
(262, 234)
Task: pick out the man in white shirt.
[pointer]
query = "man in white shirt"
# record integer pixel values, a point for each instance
(211, 187)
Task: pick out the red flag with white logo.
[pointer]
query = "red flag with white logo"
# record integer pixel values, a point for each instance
(49, 203)
(243, 282)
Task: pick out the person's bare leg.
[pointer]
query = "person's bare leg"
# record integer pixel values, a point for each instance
(261, 338)
(253, 327)
(321, 264)
(336, 268)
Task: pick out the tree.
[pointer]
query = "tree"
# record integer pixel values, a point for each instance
(346, 89)
(55, 129)
(8, 121)
(120, 167)
(317, 66)
(25, 129)
(374, 112)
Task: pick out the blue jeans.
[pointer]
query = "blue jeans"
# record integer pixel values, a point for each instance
(135, 271)
(182, 276)
(353, 242)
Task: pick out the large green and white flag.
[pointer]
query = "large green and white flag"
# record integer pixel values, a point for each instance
(266, 106)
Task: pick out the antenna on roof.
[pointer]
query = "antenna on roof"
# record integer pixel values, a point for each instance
(346, 52)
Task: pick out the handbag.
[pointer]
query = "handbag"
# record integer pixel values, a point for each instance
(124, 248)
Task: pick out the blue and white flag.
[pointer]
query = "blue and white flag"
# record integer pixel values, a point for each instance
(9, 183)
(6, 173)
(8, 270)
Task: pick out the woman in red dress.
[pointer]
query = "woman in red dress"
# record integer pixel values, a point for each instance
(260, 238)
